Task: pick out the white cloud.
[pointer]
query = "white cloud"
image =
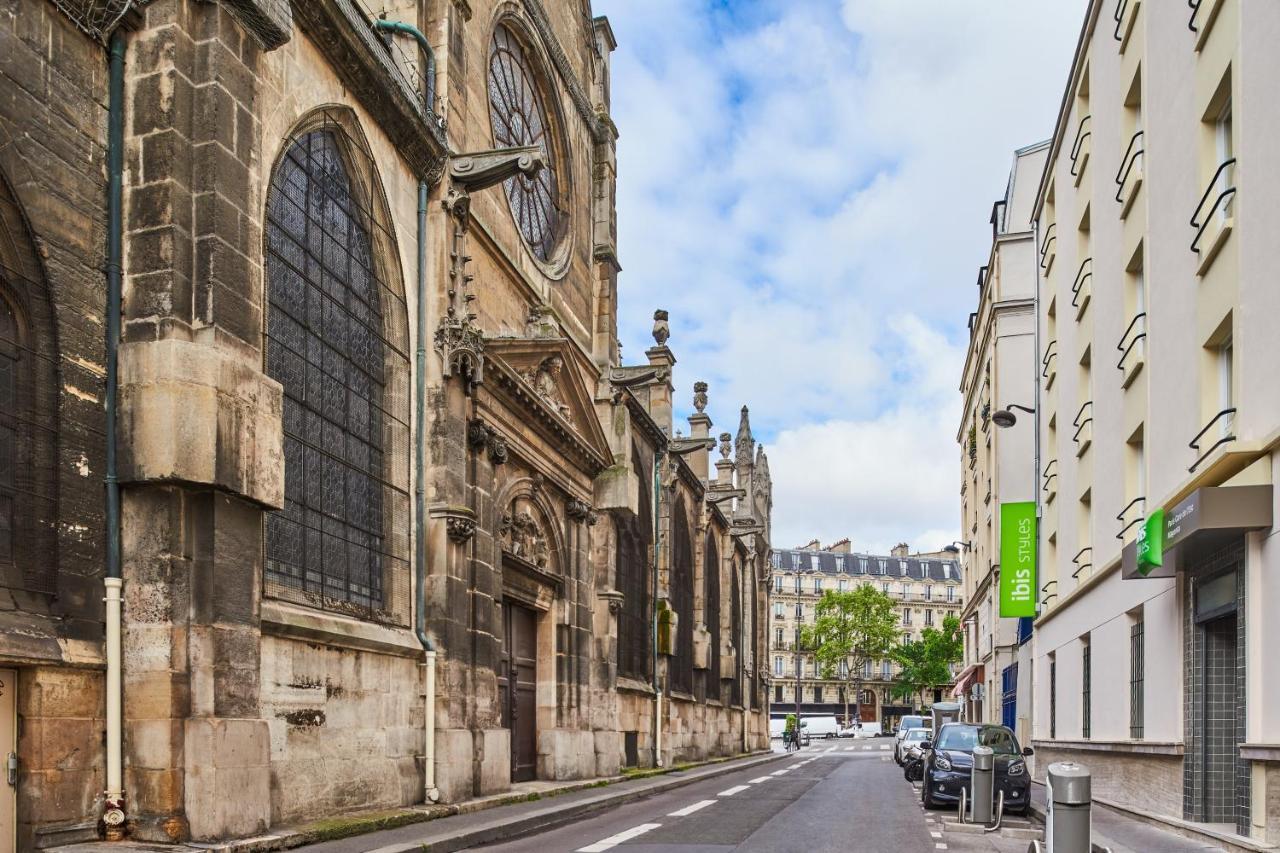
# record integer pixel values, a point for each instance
(791, 175)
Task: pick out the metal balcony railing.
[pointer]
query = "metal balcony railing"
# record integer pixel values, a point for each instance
(1047, 369)
(1050, 238)
(1080, 148)
(1082, 560)
(1082, 287)
(1122, 10)
(1132, 157)
(1045, 595)
(1136, 332)
(1084, 425)
(1226, 418)
(1223, 181)
(1129, 519)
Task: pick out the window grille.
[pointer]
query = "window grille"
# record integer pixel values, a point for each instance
(634, 536)
(337, 341)
(681, 664)
(29, 389)
(1137, 680)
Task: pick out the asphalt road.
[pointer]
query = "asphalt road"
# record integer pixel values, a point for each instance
(835, 796)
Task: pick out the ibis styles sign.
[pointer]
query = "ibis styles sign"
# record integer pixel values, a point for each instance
(1018, 559)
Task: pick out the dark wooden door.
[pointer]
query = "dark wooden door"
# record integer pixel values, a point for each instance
(517, 687)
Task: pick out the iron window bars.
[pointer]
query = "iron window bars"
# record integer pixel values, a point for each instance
(336, 340)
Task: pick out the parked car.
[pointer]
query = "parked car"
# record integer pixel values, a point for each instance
(850, 730)
(870, 730)
(906, 724)
(947, 765)
(910, 738)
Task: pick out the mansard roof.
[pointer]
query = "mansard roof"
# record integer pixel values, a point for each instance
(870, 565)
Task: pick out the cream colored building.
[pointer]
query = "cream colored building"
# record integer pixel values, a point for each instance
(996, 464)
(927, 587)
(1157, 222)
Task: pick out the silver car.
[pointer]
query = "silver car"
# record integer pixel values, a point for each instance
(909, 739)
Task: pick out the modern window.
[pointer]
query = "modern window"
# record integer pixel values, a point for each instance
(337, 341)
(1086, 690)
(1225, 356)
(1137, 678)
(1053, 698)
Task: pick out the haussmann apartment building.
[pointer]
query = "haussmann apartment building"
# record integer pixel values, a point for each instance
(1159, 416)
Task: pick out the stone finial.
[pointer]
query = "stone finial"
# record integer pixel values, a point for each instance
(746, 441)
(700, 396)
(661, 328)
(726, 445)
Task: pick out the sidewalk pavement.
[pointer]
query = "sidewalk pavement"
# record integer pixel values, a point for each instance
(529, 809)
(1124, 833)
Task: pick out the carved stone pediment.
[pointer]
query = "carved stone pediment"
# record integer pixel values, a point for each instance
(546, 375)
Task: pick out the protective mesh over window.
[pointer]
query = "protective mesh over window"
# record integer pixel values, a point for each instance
(735, 623)
(634, 535)
(711, 576)
(28, 411)
(337, 342)
(681, 665)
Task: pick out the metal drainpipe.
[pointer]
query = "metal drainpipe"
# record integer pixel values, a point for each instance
(113, 813)
(431, 793)
(400, 27)
(657, 690)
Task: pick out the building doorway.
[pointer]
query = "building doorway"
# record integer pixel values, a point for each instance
(517, 688)
(8, 747)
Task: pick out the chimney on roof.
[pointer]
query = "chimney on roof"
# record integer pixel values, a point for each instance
(900, 550)
(841, 547)
(814, 545)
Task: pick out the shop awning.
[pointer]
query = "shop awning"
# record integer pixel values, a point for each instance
(1203, 521)
(971, 673)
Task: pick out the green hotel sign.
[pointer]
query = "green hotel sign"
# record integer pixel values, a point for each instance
(1151, 543)
(1018, 559)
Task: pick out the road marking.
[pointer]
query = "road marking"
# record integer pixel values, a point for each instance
(736, 789)
(780, 772)
(758, 781)
(688, 810)
(614, 840)
(884, 746)
(939, 846)
(936, 834)
(832, 749)
(866, 749)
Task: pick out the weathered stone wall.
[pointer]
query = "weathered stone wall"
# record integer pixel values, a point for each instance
(346, 728)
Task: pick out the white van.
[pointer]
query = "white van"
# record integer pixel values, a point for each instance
(824, 727)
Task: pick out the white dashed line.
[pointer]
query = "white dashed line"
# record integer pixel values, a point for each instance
(939, 846)
(758, 781)
(614, 840)
(884, 746)
(736, 789)
(780, 772)
(936, 834)
(688, 810)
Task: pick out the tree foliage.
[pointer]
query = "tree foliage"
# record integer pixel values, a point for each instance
(853, 628)
(926, 663)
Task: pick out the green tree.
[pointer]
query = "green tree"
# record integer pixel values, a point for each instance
(926, 664)
(851, 628)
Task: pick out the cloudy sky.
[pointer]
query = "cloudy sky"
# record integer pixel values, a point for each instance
(805, 186)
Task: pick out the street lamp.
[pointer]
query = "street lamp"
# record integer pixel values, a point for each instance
(1005, 418)
(954, 547)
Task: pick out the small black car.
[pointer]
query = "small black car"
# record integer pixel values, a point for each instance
(948, 765)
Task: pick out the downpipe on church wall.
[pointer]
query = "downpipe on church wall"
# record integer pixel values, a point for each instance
(113, 806)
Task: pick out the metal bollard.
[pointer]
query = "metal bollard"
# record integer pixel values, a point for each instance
(984, 767)
(1068, 801)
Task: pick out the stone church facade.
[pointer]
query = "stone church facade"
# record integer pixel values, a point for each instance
(386, 520)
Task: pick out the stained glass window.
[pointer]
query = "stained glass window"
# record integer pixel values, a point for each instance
(681, 665)
(634, 535)
(711, 574)
(518, 116)
(332, 544)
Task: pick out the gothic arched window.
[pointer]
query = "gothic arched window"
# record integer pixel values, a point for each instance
(336, 342)
(735, 628)
(519, 117)
(711, 599)
(29, 411)
(681, 665)
(634, 535)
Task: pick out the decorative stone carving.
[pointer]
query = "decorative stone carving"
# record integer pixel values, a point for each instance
(498, 453)
(700, 396)
(522, 536)
(541, 323)
(545, 380)
(746, 441)
(460, 529)
(480, 436)
(580, 511)
(471, 172)
(661, 328)
(726, 445)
